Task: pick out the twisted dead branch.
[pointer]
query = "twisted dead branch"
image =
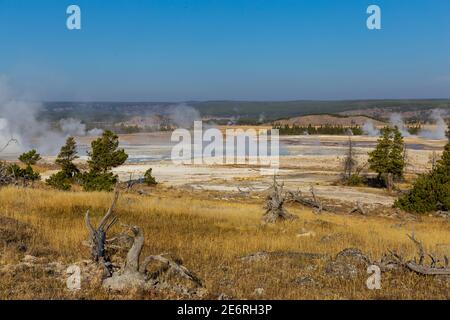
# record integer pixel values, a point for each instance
(417, 265)
(8, 143)
(314, 203)
(358, 208)
(97, 236)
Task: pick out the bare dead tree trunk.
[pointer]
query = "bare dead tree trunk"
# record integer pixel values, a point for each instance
(349, 161)
(134, 274)
(433, 160)
(97, 236)
(274, 205)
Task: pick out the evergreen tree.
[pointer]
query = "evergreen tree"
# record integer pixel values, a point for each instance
(388, 157)
(431, 191)
(29, 158)
(63, 179)
(66, 156)
(104, 156)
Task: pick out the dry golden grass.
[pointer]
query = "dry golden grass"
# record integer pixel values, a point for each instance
(211, 235)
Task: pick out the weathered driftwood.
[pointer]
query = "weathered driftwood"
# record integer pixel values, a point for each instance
(274, 205)
(358, 208)
(314, 203)
(134, 274)
(417, 265)
(245, 192)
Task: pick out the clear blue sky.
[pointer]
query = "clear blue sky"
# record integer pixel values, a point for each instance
(172, 50)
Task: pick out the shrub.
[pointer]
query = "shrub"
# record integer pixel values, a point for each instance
(98, 181)
(148, 178)
(431, 191)
(354, 180)
(59, 181)
(27, 174)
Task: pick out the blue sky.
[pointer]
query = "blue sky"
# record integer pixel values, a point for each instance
(173, 50)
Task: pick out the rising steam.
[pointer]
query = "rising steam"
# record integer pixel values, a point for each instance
(437, 115)
(19, 121)
(396, 120)
(369, 129)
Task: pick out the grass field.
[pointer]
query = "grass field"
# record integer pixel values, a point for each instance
(210, 236)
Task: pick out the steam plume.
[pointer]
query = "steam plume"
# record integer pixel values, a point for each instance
(19, 120)
(369, 129)
(437, 115)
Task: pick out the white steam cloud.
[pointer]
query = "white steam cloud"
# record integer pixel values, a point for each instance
(437, 115)
(397, 120)
(369, 129)
(183, 115)
(74, 127)
(19, 121)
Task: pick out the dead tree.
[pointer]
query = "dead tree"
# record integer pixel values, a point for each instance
(349, 160)
(12, 140)
(6, 176)
(274, 204)
(97, 236)
(433, 160)
(436, 267)
(359, 209)
(314, 203)
(132, 182)
(134, 274)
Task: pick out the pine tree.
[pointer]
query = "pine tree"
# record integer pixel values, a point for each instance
(431, 191)
(104, 156)
(388, 157)
(63, 179)
(66, 156)
(29, 158)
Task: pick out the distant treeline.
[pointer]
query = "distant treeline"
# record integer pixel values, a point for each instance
(130, 129)
(323, 129)
(247, 111)
(414, 129)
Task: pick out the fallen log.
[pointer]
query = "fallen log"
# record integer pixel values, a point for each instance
(418, 266)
